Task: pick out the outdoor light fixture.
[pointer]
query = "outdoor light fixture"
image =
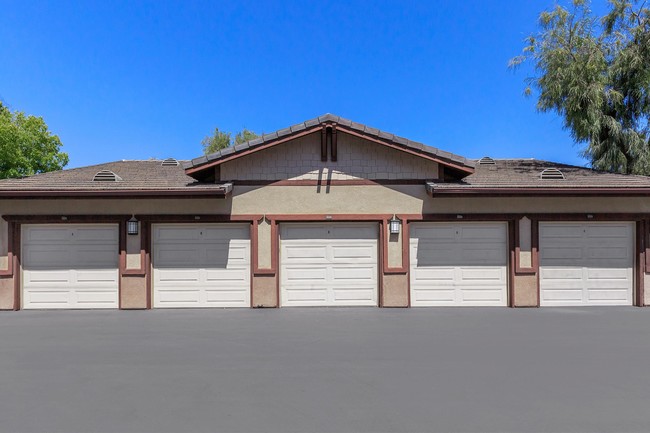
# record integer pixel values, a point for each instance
(132, 226)
(394, 225)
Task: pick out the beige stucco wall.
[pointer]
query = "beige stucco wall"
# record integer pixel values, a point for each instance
(133, 292)
(300, 159)
(646, 291)
(525, 243)
(394, 247)
(525, 292)
(133, 260)
(6, 293)
(264, 244)
(366, 199)
(265, 292)
(395, 290)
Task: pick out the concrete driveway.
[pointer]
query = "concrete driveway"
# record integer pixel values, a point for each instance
(326, 370)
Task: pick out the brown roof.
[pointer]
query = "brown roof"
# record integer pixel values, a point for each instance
(134, 176)
(456, 161)
(524, 175)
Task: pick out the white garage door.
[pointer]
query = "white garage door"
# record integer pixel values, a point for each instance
(70, 266)
(201, 265)
(458, 264)
(586, 263)
(331, 264)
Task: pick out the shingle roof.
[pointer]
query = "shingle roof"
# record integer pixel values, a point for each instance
(345, 123)
(147, 175)
(526, 174)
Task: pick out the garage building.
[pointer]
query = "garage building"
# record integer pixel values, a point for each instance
(325, 213)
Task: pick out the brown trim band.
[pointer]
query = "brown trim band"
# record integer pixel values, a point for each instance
(527, 192)
(184, 193)
(329, 182)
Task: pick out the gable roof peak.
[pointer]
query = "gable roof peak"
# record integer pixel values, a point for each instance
(456, 163)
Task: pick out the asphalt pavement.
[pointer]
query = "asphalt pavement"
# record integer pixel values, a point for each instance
(326, 370)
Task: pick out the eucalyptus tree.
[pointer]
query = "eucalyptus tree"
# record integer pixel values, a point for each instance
(594, 71)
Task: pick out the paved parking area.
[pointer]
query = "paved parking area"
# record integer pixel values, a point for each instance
(326, 370)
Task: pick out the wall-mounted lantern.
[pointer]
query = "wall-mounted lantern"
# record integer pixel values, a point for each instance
(394, 225)
(132, 226)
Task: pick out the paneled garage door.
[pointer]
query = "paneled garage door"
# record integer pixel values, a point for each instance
(586, 263)
(70, 266)
(458, 264)
(331, 264)
(201, 265)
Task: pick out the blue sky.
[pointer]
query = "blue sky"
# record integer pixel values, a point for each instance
(139, 79)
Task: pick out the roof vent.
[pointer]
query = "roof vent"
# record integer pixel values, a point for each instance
(106, 176)
(169, 162)
(486, 160)
(551, 173)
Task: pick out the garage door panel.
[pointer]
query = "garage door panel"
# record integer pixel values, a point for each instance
(320, 263)
(608, 231)
(596, 268)
(230, 254)
(209, 268)
(484, 275)
(94, 296)
(458, 264)
(569, 295)
(560, 254)
(44, 234)
(348, 253)
(432, 296)
(440, 232)
(188, 297)
(424, 276)
(225, 275)
(171, 234)
(608, 294)
(343, 274)
(305, 233)
(481, 295)
(47, 276)
(425, 253)
(478, 234)
(225, 234)
(94, 277)
(561, 231)
(609, 253)
(305, 253)
(482, 255)
(354, 295)
(94, 235)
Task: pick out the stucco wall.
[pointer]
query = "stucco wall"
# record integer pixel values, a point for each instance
(265, 293)
(395, 291)
(300, 159)
(338, 199)
(525, 291)
(6, 293)
(133, 292)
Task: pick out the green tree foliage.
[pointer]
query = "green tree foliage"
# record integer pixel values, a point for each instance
(595, 73)
(220, 140)
(27, 146)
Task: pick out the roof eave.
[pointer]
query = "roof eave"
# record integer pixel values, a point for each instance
(223, 191)
(533, 191)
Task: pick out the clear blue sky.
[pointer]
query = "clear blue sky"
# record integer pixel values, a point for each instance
(136, 79)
